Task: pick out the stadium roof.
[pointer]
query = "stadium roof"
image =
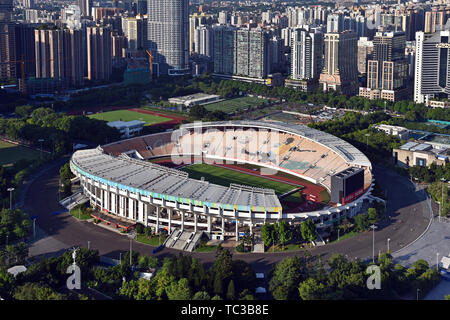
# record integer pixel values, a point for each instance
(171, 184)
(348, 152)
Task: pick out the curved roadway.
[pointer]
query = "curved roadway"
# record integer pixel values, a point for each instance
(408, 210)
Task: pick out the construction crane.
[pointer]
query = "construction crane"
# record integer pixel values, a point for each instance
(22, 86)
(150, 61)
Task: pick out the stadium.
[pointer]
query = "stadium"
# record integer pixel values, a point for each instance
(146, 179)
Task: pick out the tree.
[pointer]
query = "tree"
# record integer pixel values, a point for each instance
(35, 291)
(201, 295)
(231, 293)
(267, 234)
(372, 215)
(285, 278)
(284, 232)
(308, 230)
(179, 290)
(311, 289)
(361, 222)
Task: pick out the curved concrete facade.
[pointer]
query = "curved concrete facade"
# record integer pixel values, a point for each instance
(153, 195)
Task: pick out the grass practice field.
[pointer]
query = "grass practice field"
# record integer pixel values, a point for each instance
(224, 177)
(236, 104)
(127, 115)
(11, 153)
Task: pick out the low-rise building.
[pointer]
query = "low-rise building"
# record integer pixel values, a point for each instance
(195, 99)
(419, 154)
(127, 128)
(397, 131)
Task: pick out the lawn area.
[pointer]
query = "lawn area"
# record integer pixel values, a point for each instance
(236, 104)
(127, 115)
(287, 247)
(11, 153)
(224, 177)
(206, 249)
(153, 241)
(79, 214)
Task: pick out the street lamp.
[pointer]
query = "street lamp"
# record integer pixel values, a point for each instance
(373, 242)
(34, 228)
(418, 293)
(367, 140)
(388, 244)
(89, 245)
(10, 197)
(41, 140)
(437, 261)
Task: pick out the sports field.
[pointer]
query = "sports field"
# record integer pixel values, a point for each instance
(236, 104)
(224, 177)
(11, 153)
(127, 115)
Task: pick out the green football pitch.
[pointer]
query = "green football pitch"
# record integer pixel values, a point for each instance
(127, 115)
(236, 104)
(11, 153)
(224, 177)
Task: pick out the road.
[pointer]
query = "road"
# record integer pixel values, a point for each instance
(408, 211)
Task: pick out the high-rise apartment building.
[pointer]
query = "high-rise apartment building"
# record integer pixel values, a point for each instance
(58, 55)
(224, 54)
(85, 7)
(436, 19)
(168, 35)
(7, 41)
(99, 53)
(365, 50)
(252, 53)
(203, 41)
(135, 29)
(307, 54)
(432, 67)
(340, 72)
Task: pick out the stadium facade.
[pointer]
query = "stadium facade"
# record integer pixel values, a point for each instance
(119, 181)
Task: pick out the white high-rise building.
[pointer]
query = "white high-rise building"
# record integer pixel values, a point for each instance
(307, 54)
(203, 41)
(432, 67)
(168, 35)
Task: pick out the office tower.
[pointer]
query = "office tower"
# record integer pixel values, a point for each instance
(436, 19)
(7, 41)
(432, 67)
(340, 72)
(252, 53)
(168, 35)
(85, 7)
(99, 53)
(58, 55)
(135, 31)
(276, 54)
(307, 50)
(387, 71)
(365, 49)
(335, 23)
(141, 7)
(224, 41)
(203, 41)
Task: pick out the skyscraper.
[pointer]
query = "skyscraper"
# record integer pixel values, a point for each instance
(431, 78)
(340, 72)
(168, 35)
(7, 41)
(252, 56)
(224, 42)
